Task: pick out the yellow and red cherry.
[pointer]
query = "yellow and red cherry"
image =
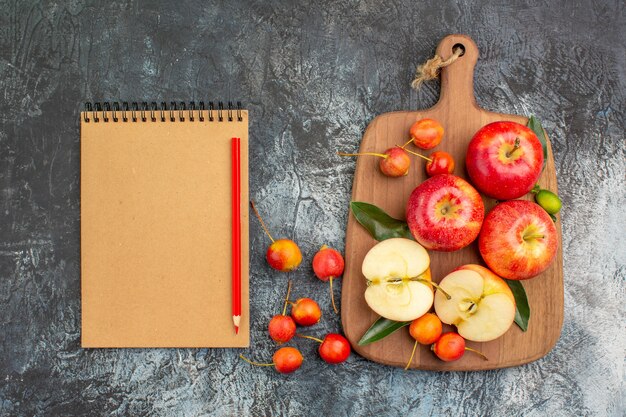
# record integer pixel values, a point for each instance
(328, 264)
(394, 162)
(283, 254)
(285, 360)
(426, 330)
(305, 312)
(451, 347)
(333, 349)
(426, 133)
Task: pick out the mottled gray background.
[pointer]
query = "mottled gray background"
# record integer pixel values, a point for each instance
(313, 76)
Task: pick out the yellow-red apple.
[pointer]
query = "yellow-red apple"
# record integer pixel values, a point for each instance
(518, 239)
(445, 213)
(481, 304)
(504, 160)
(398, 279)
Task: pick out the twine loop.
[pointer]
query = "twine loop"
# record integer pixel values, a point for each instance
(430, 70)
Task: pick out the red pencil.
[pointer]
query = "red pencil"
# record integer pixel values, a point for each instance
(236, 231)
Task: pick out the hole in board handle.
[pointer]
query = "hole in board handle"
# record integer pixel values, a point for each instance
(459, 45)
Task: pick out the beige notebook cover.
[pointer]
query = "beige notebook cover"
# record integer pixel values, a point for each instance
(156, 231)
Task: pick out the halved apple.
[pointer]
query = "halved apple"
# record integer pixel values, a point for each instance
(398, 276)
(482, 306)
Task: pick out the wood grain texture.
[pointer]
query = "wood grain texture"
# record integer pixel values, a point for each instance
(461, 117)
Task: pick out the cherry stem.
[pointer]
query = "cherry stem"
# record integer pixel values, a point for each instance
(416, 154)
(411, 358)
(478, 353)
(256, 212)
(515, 147)
(332, 296)
(255, 363)
(382, 155)
(287, 297)
(310, 337)
(403, 146)
(534, 236)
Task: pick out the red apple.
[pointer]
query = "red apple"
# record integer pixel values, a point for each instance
(518, 239)
(504, 160)
(445, 213)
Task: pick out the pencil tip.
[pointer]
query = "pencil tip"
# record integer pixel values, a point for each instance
(236, 320)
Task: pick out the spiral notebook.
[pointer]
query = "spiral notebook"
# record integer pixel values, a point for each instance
(155, 225)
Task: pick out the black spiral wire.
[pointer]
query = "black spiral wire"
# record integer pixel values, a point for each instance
(181, 112)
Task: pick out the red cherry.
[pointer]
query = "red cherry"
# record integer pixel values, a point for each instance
(328, 264)
(306, 312)
(440, 163)
(451, 347)
(285, 360)
(333, 349)
(281, 328)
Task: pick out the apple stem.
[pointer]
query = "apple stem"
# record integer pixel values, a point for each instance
(382, 155)
(425, 281)
(515, 147)
(416, 154)
(332, 296)
(534, 236)
(255, 363)
(309, 337)
(256, 212)
(411, 358)
(477, 352)
(287, 297)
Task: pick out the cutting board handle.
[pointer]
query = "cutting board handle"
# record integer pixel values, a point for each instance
(457, 79)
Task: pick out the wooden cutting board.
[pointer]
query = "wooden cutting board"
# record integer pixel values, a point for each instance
(460, 116)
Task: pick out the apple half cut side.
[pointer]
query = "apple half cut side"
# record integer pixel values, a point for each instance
(398, 279)
(482, 306)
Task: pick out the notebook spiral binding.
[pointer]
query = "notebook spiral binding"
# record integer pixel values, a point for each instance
(175, 111)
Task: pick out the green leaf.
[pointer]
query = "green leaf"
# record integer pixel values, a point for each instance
(380, 225)
(522, 309)
(536, 127)
(381, 328)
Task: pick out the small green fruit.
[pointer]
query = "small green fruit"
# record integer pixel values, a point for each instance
(549, 201)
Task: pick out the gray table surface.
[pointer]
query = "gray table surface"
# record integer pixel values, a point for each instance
(313, 76)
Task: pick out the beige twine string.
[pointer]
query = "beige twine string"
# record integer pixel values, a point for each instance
(430, 70)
